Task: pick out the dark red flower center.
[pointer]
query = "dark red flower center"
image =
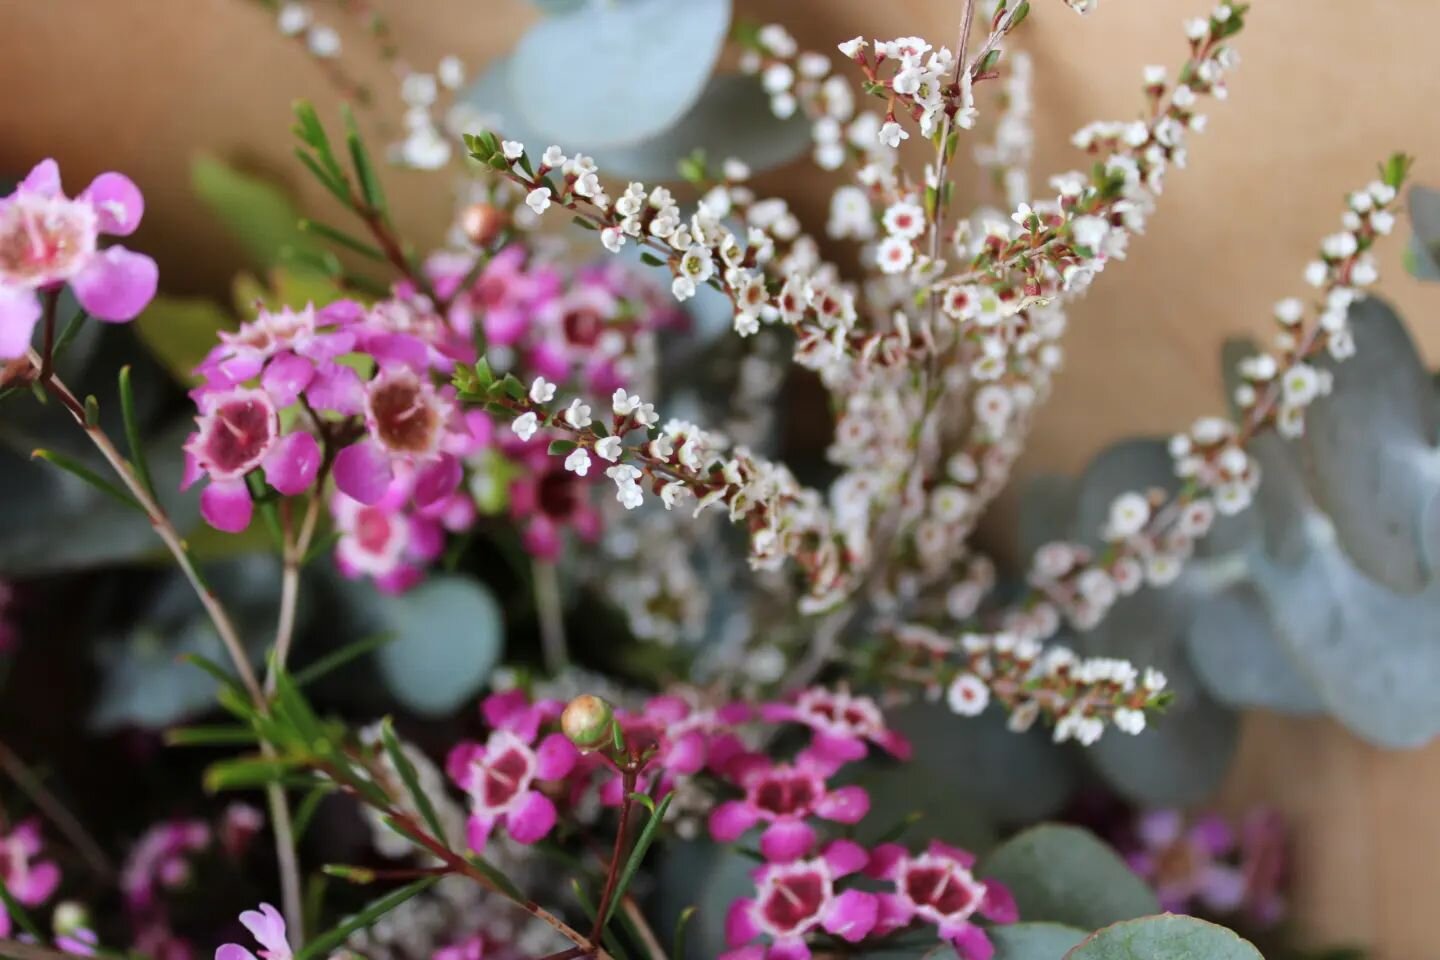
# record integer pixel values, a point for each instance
(939, 888)
(794, 901)
(583, 326)
(558, 494)
(786, 794)
(239, 435)
(405, 419)
(505, 776)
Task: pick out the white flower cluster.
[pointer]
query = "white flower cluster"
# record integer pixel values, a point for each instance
(298, 20)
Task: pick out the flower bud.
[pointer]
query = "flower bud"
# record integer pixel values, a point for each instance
(69, 917)
(482, 223)
(587, 721)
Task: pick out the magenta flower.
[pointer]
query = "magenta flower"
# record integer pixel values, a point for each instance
(160, 860)
(48, 239)
(268, 927)
(842, 723)
(1185, 865)
(938, 887)
(392, 541)
(546, 500)
(784, 796)
(501, 775)
(792, 900)
(29, 881)
(410, 422)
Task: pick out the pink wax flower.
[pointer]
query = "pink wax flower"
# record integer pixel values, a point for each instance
(389, 541)
(546, 499)
(937, 887)
(784, 797)
(501, 775)
(1263, 861)
(268, 928)
(842, 723)
(160, 860)
(29, 880)
(48, 240)
(410, 422)
(793, 900)
(1188, 864)
(290, 352)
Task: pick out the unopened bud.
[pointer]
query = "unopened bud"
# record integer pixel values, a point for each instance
(482, 223)
(588, 721)
(69, 917)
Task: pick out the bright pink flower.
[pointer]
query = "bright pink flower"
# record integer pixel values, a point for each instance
(842, 723)
(29, 881)
(938, 887)
(546, 500)
(299, 344)
(785, 796)
(1185, 863)
(501, 774)
(792, 900)
(267, 926)
(48, 239)
(392, 541)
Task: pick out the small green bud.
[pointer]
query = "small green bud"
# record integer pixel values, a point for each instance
(69, 917)
(588, 721)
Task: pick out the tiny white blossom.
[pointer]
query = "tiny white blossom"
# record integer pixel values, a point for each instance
(1316, 273)
(542, 390)
(451, 72)
(852, 47)
(891, 133)
(1364, 272)
(1301, 383)
(1129, 721)
(612, 239)
(623, 403)
(968, 696)
(552, 157)
(293, 18)
(323, 41)
(525, 425)
(578, 462)
(683, 288)
(1129, 513)
(577, 414)
(538, 199)
(512, 149)
(895, 254)
(1289, 311)
(1383, 221)
(1153, 680)
(904, 219)
(608, 448)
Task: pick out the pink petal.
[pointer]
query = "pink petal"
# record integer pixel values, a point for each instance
(963, 857)
(972, 943)
(438, 480)
(477, 831)
(226, 505)
(895, 744)
(542, 539)
(19, 312)
(999, 903)
(399, 349)
(44, 178)
(285, 377)
(845, 805)
(892, 913)
(268, 927)
(190, 469)
(117, 201)
(1222, 889)
(845, 857)
(44, 878)
(686, 754)
(363, 472)
(667, 708)
(740, 926)
(1160, 828)
(776, 712)
(884, 859)
(752, 952)
(233, 951)
(292, 463)
(786, 840)
(838, 749)
(851, 915)
(1213, 835)
(116, 284)
(532, 820)
(789, 948)
(555, 757)
(511, 711)
(460, 762)
(731, 819)
(336, 388)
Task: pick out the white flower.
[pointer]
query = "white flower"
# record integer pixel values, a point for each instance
(895, 254)
(1154, 76)
(1382, 192)
(577, 414)
(627, 486)
(419, 89)
(645, 415)
(852, 47)
(1337, 246)
(1153, 680)
(850, 214)
(525, 425)
(1023, 717)
(542, 390)
(1316, 273)
(552, 157)
(904, 219)
(578, 462)
(623, 403)
(294, 18)
(968, 696)
(512, 149)
(1090, 231)
(1289, 311)
(777, 78)
(1022, 215)
(1301, 383)
(891, 133)
(683, 288)
(612, 239)
(1197, 28)
(608, 448)
(538, 199)
(1383, 221)
(1129, 513)
(1129, 721)
(1364, 272)
(672, 492)
(323, 41)
(451, 72)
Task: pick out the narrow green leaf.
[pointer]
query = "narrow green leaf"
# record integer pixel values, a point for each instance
(343, 239)
(348, 873)
(132, 432)
(92, 411)
(68, 334)
(338, 658)
(210, 736)
(336, 187)
(72, 466)
(312, 132)
(246, 772)
(644, 800)
(370, 189)
(21, 916)
(558, 447)
(647, 836)
(291, 705)
(306, 809)
(328, 941)
(406, 770)
(682, 924)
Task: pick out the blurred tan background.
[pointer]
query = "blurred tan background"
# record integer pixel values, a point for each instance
(1325, 90)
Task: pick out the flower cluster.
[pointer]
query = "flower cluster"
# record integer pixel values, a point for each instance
(49, 240)
(28, 878)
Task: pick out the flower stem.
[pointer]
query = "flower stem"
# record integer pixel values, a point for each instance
(65, 821)
(630, 774)
(552, 617)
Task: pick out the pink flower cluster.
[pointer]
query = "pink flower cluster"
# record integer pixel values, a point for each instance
(30, 880)
(49, 240)
(362, 394)
(798, 889)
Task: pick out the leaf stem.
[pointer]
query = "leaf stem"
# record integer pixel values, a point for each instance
(48, 804)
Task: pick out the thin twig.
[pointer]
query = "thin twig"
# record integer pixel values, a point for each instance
(630, 775)
(552, 617)
(56, 812)
(642, 928)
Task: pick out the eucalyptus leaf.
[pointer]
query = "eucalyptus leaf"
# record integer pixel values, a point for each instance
(1236, 655)
(1047, 506)
(1424, 249)
(448, 637)
(610, 74)
(1034, 941)
(254, 210)
(1166, 937)
(1066, 875)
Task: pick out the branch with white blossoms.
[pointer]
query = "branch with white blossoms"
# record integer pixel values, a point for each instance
(1006, 158)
